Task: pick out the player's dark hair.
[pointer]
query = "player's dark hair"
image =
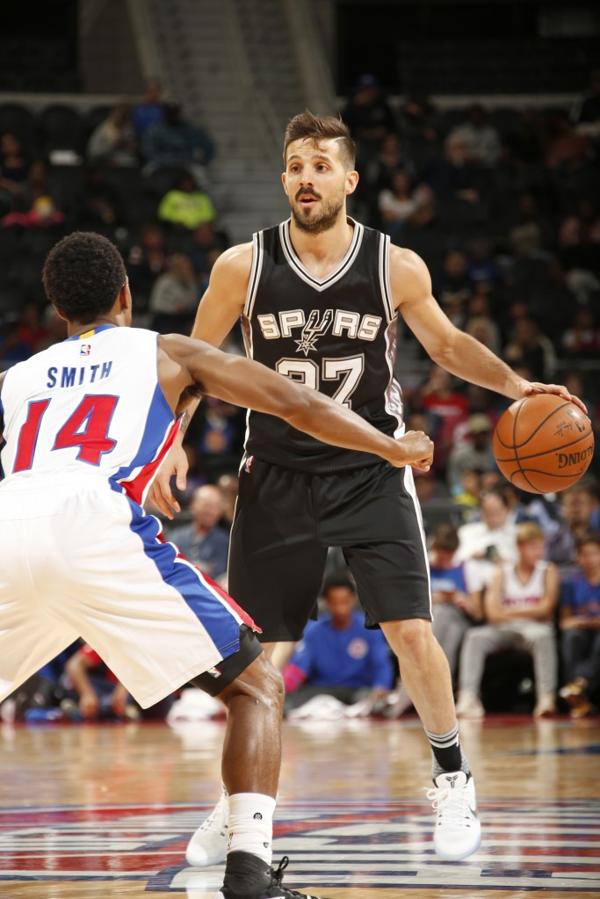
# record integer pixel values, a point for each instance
(306, 126)
(335, 582)
(445, 537)
(82, 275)
(586, 539)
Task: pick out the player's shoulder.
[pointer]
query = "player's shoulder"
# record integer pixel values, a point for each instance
(235, 261)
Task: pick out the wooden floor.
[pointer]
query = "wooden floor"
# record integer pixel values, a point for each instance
(106, 811)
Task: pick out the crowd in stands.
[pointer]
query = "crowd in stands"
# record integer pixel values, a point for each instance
(504, 206)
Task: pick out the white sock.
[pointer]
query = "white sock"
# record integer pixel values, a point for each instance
(251, 824)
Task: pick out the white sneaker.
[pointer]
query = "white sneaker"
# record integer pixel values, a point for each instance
(208, 845)
(457, 831)
(469, 706)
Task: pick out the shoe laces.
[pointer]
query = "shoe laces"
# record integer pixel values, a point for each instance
(451, 806)
(278, 878)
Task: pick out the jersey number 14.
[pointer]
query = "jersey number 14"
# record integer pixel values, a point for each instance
(86, 428)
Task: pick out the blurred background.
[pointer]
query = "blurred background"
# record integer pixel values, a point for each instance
(478, 126)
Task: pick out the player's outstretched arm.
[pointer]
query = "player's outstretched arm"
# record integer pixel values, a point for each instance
(247, 383)
(452, 349)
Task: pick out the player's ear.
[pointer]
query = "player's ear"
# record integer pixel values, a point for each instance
(351, 182)
(283, 181)
(61, 314)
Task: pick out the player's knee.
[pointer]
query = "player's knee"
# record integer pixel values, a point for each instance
(261, 682)
(411, 637)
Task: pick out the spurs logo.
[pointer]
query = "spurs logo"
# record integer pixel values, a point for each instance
(314, 328)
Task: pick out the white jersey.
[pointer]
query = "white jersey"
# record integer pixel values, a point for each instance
(523, 595)
(92, 404)
(86, 428)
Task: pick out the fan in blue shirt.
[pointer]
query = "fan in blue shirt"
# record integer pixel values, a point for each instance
(338, 651)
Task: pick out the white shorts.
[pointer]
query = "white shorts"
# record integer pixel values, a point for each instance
(80, 560)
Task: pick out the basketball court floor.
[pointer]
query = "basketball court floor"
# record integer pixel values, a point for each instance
(102, 811)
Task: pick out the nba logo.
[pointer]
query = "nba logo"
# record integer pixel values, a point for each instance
(85, 349)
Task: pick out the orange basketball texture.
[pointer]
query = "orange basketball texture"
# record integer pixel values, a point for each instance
(543, 443)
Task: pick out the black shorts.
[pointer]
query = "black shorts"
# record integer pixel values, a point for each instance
(286, 520)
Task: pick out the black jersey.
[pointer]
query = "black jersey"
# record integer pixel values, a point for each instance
(336, 335)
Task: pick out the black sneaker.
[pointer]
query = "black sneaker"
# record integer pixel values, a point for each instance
(247, 877)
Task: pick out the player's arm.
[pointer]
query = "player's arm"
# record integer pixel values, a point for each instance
(494, 611)
(449, 347)
(244, 382)
(217, 313)
(545, 608)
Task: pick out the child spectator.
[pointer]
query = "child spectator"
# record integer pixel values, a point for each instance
(519, 607)
(580, 628)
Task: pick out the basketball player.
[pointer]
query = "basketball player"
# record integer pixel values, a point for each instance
(319, 296)
(87, 423)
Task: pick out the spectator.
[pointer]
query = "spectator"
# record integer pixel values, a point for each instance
(479, 137)
(368, 115)
(99, 693)
(457, 602)
(150, 111)
(519, 607)
(582, 340)
(205, 242)
(530, 348)
(173, 142)
(579, 512)
(186, 205)
(580, 629)
(455, 178)
(474, 455)
(203, 542)
(174, 297)
(338, 655)
(113, 141)
(456, 285)
(100, 204)
(397, 202)
(35, 207)
(491, 540)
(146, 262)
(441, 399)
(216, 435)
(13, 168)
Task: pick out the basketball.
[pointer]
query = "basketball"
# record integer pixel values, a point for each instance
(543, 443)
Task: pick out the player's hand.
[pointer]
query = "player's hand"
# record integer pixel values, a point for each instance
(89, 705)
(414, 448)
(532, 387)
(161, 495)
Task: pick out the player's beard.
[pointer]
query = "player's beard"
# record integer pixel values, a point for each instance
(323, 221)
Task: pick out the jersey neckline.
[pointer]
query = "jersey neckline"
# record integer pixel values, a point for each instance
(334, 276)
(91, 332)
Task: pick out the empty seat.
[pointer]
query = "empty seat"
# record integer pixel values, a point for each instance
(61, 129)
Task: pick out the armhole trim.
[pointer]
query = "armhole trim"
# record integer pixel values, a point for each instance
(384, 277)
(257, 261)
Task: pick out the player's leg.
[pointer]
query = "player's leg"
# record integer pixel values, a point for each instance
(540, 640)
(392, 575)
(159, 623)
(30, 636)
(276, 566)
